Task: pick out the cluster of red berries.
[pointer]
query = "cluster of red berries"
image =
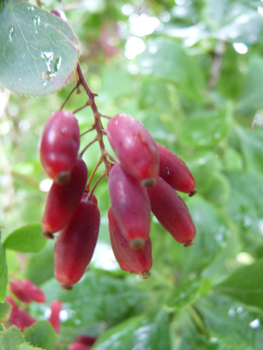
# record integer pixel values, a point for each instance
(141, 181)
(26, 291)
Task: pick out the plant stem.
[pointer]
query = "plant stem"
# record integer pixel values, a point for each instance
(97, 118)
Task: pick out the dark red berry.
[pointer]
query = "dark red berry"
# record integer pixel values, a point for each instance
(135, 148)
(75, 243)
(86, 340)
(171, 211)
(19, 291)
(78, 346)
(19, 317)
(174, 171)
(130, 206)
(139, 261)
(59, 145)
(54, 318)
(62, 201)
(36, 293)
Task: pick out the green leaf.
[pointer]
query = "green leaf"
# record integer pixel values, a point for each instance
(167, 60)
(219, 191)
(26, 239)
(41, 334)
(186, 294)
(11, 339)
(25, 346)
(251, 144)
(212, 234)
(5, 307)
(3, 273)
(233, 324)
(206, 128)
(251, 95)
(42, 261)
(137, 333)
(246, 203)
(38, 50)
(245, 284)
(96, 298)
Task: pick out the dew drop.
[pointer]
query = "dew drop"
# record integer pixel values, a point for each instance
(10, 33)
(231, 313)
(36, 20)
(30, 8)
(255, 324)
(167, 170)
(64, 131)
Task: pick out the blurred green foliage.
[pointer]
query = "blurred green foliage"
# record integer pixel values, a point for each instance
(192, 72)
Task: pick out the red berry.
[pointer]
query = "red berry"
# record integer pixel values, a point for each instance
(19, 317)
(174, 171)
(54, 319)
(135, 148)
(78, 346)
(171, 211)
(36, 293)
(16, 287)
(139, 261)
(59, 145)
(62, 201)
(76, 242)
(86, 340)
(130, 206)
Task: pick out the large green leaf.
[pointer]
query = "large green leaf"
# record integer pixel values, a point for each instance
(11, 339)
(233, 324)
(168, 61)
(96, 298)
(251, 144)
(42, 261)
(251, 95)
(4, 310)
(212, 234)
(41, 334)
(137, 333)
(245, 205)
(206, 128)
(3, 273)
(186, 294)
(26, 239)
(38, 50)
(25, 346)
(245, 284)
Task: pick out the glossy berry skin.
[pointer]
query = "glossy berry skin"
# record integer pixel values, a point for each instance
(171, 211)
(26, 291)
(174, 171)
(62, 201)
(59, 145)
(54, 318)
(139, 261)
(76, 242)
(130, 206)
(135, 148)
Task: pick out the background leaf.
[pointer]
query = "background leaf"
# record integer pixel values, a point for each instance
(41, 334)
(36, 58)
(26, 239)
(11, 339)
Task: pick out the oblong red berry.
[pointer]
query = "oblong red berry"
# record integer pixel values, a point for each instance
(171, 211)
(78, 346)
(135, 148)
(36, 293)
(174, 171)
(62, 201)
(59, 145)
(16, 287)
(86, 339)
(18, 316)
(139, 261)
(54, 318)
(130, 205)
(76, 242)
